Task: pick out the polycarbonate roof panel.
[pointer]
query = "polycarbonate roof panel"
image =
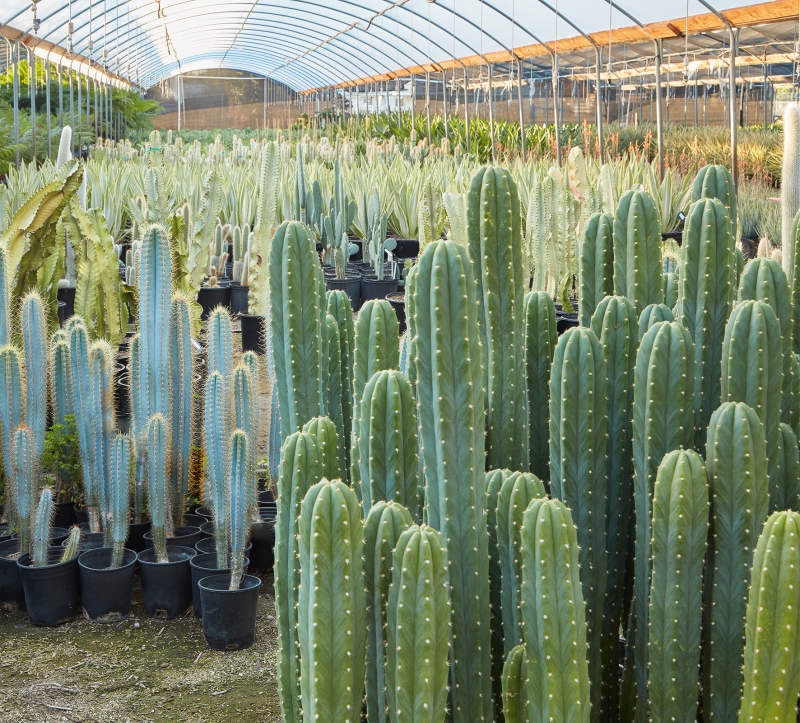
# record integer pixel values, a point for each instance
(311, 43)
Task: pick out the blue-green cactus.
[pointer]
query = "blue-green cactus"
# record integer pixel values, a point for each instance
(5, 294)
(333, 397)
(119, 473)
(138, 428)
(181, 388)
(157, 483)
(23, 483)
(515, 684)
(245, 418)
(670, 287)
(11, 400)
(784, 493)
(101, 370)
(654, 314)
(216, 424)
(241, 490)
(597, 264)
(41, 529)
(61, 400)
(327, 445)
(340, 309)
(34, 334)
(791, 264)
(716, 182)
(220, 344)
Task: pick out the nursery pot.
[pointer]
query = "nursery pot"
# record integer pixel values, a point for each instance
(565, 321)
(262, 538)
(136, 532)
(167, 586)
(5, 532)
(204, 512)
(57, 536)
(205, 565)
(51, 592)
(398, 302)
(106, 592)
(229, 616)
(377, 289)
(193, 520)
(184, 536)
(65, 514)
(351, 285)
(68, 297)
(254, 333)
(81, 515)
(239, 296)
(206, 530)
(89, 541)
(208, 544)
(265, 496)
(12, 594)
(406, 248)
(209, 297)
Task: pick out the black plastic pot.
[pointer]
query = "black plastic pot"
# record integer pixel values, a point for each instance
(122, 395)
(204, 512)
(229, 616)
(12, 594)
(398, 302)
(565, 321)
(68, 297)
(239, 296)
(206, 530)
(377, 289)
(193, 520)
(406, 248)
(205, 565)
(265, 496)
(51, 592)
(81, 515)
(65, 514)
(167, 586)
(5, 532)
(89, 541)
(57, 536)
(208, 544)
(351, 285)
(254, 333)
(262, 538)
(185, 536)
(136, 532)
(209, 297)
(106, 592)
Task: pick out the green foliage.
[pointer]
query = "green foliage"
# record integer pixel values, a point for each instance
(61, 458)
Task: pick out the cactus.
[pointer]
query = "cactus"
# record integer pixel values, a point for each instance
(116, 518)
(295, 282)
(705, 299)
(771, 666)
(791, 262)
(614, 323)
(332, 656)
(41, 529)
(784, 493)
(540, 344)
(637, 250)
(578, 472)
(388, 441)
(181, 388)
(5, 294)
(11, 401)
(23, 483)
(300, 469)
(245, 418)
(736, 463)
(451, 410)
(376, 347)
(61, 400)
(327, 445)
(597, 264)
(241, 490)
(663, 413)
(73, 546)
(333, 395)
(553, 616)
(138, 427)
(101, 370)
(34, 333)
(670, 286)
(515, 683)
(716, 182)
(680, 529)
(157, 482)
(495, 249)
(494, 481)
(340, 309)
(790, 187)
(418, 629)
(220, 344)
(384, 524)
(216, 424)
(752, 370)
(653, 314)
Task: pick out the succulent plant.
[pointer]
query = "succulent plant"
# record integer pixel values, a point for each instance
(23, 484)
(653, 314)
(61, 400)
(716, 182)
(158, 440)
(515, 685)
(181, 411)
(11, 401)
(5, 293)
(670, 286)
(245, 418)
(34, 334)
(333, 394)
(115, 517)
(216, 425)
(327, 445)
(784, 494)
(241, 491)
(73, 544)
(597, 264)
(340, 309)
(41, 529)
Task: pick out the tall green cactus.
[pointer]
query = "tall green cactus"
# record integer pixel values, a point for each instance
(41, 529)
(637, 250)
(791, 265)
(295, 282)
(705, 299)
(216, 424)
(388, 449)
(752, 369)
(716, 182)
(494, 481)
(333, 395)
(385, 522)
(578, 472)
(239, 502)
(34, 334)
(670, 286)
(615, 325)
(451, 409)
(418, 629)
(138, 427)
(553, 615)
(157, 483)
(736, 463)
(653, 314)
(680, 530)
(771, 663)
(663, 415)
(784, 493)
(376, 347)
(541, 336)
(300, 469)
(327, 445)
(332, 613)
(119, 470)
(495, 248)
(515, 684)
(11, 400)
(340, 309)
(597, 264)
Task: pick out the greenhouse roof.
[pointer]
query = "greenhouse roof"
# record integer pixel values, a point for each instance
(308, 44)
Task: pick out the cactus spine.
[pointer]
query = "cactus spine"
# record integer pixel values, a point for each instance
(705, 298)
(785, 493)
(34, 332)
(295, 293)
(157, 476)
(340, 309)
(388, 441)
(418, 629)
(300, 469)
(449, 380)
(23, 483)
(181, 376)
(327, 445)
(385, 523)
(216, 426)
(597, 264)
(540, 344)
(11, 401)
(771, 664)
(495, 248)
(240, 504)
(41, 529)
(716, 182)
(553, 616)
(680, 530)
(332, 656)
(118, 482)
(652, 315)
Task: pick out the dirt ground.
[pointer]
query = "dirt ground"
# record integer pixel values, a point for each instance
(136, 671)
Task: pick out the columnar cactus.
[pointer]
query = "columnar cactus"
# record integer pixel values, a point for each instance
(216, 424)
(515, 684)
(388, 448)
(553, 616)
(296, 293)
(790, 186)
(41, 529)
(340, 309)
(23, 483)
(495, 248)
(327, 445)
(118, 493)
(138, 427)
(158, 440)
(663, 416)
(541, 336)
(61, 400)
(34, 334)
(705, 299)
(385, 522)
(300, 469)
(784, 494)
(494, 481)
(5, 292)
(670, 286)
(451, 408)
(333, 393)
(716, 182)
(791, 265)
(597, 264)
(578, 473)
(11, 400)
(637, 250)
(615, 325)
(771, 664)
(181, 389)
(73, 544)
(101, 371)
(220, 344)
(680, 530)
(241, 487)
(245, 418)
(736, 463)
(653, 314)
(418, 629)
(332, 657)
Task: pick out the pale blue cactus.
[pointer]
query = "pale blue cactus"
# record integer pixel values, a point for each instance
(11, 400)
(241, 491)
(245, 418)
(116, 518)
(23, 484)
(5, 293)
(158, 440)
(216, 441)
(61, 400)
(41, 529)
(34, 334)
(181, 390)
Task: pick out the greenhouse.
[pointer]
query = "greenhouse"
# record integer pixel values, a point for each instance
(372, 361)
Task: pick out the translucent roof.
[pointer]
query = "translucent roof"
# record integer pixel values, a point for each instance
(315, 43)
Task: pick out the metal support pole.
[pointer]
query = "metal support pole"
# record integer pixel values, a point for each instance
(444, 105)
(764, 97)
(413, 99)
(47, 102)
(659, 116)
(556, 114)
(60, 96)
(72, 111)
(466, 111)
(523, 150)
(491, 113)
(598, 56)
(428, 103)
(16, 105)
(32, 94)
(734, 36)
